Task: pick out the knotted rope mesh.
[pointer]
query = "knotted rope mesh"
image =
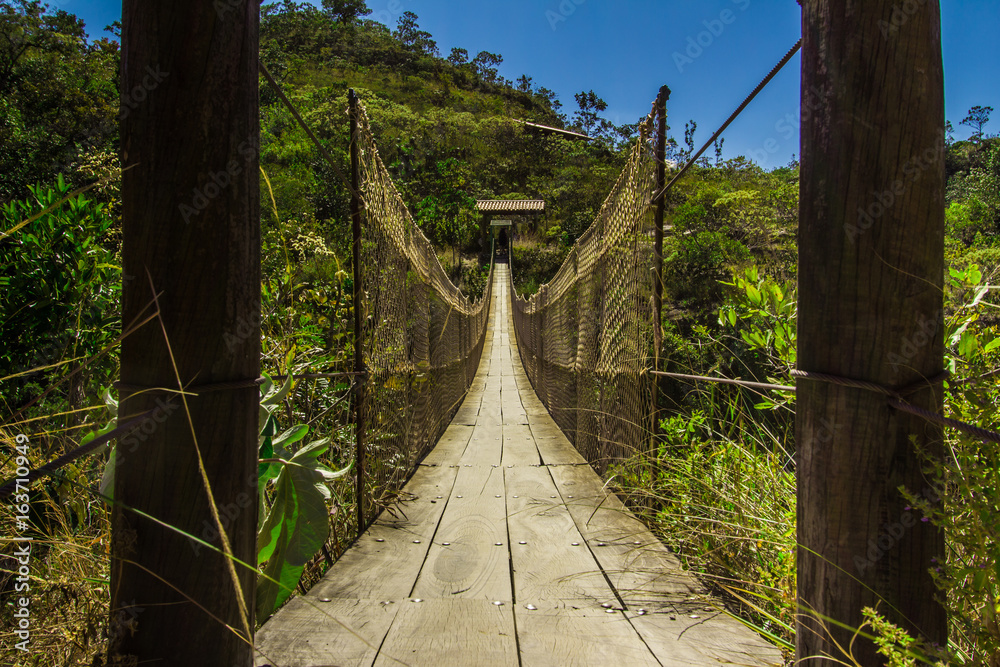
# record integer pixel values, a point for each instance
(423, 338)
(586, 337)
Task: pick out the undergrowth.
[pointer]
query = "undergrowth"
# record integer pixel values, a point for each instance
(719, 487)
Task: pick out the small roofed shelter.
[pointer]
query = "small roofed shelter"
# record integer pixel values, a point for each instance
(507, 213)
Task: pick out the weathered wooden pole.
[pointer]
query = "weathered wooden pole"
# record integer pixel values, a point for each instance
(191, 234)
(871, 248)
(359, 360)
(661, 207)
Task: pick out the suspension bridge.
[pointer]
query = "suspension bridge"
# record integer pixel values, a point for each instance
(506, 549)
(499, 544)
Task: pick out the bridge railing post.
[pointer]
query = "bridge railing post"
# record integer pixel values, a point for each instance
(361, 378)
(661, 182)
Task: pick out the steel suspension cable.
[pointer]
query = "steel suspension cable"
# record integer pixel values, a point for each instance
(774, 72)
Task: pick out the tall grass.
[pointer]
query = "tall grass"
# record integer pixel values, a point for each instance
(723, 500)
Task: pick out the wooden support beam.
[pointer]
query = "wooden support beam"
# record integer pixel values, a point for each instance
(191, 235)
(359, 343)
(661, 206)
(871, 249)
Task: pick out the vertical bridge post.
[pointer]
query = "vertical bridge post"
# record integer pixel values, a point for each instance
(871, 268)
(174, 601)
(661, 182)
(360, 378)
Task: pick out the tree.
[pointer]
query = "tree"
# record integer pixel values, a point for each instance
(524, 84)
(448, 213)
(191, 234)
(58, 95)
(553, 101)
(346, 11)
(871, 270)
(485, 65)
(408, 32)
(977, 118)
(459, 57)
(588, 118)
(718, 150)
(690, 128)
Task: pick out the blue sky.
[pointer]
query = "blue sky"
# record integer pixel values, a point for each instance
(710, 52)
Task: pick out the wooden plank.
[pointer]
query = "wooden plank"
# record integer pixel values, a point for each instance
(690, 635)
(468, 413)
(553, 446)
(567, 637)
(639, 566)
(450, 633)
(553, 565)
(511, 409)
(519, 447)
(387, 570)
(451, 446)
(465, 559)
(485, 447)
(308, 632)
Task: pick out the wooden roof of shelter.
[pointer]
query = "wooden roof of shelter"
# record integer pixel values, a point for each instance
(512, 206)
(553, 130)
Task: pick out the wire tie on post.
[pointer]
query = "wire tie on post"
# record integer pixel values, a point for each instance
(898, 401)
(898, 394)
(194, 390)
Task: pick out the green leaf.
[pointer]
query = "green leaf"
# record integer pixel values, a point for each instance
(296, 527)
(289, 437)
(108, 428)
(266, 471)
(975, 276)
(968, 345)
(107, 487)
(272, 398)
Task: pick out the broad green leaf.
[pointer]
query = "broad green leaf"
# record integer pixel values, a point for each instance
(968, 345)
(974, 275)
(297, 525)
(289, 437)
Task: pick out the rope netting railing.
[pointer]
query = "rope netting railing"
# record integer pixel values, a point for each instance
(422, 338)
(586, 337)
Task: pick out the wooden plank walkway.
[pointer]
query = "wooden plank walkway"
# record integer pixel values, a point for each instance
(510, 553)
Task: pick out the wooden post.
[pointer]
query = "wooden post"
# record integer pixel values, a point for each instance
(191, 234)
(661, 181)
(359, 349)
(871, 269)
